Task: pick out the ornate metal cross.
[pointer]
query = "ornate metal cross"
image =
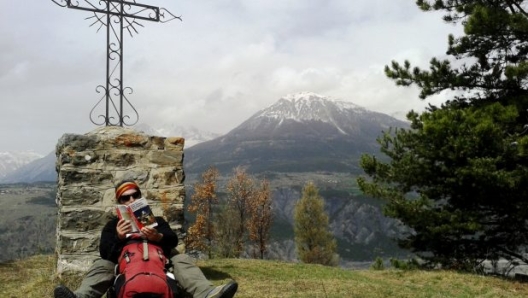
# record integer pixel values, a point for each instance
(117, 16)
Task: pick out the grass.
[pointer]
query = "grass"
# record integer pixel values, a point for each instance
(36, 277)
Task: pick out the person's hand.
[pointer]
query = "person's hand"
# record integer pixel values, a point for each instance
(123, 227)
(151, 234)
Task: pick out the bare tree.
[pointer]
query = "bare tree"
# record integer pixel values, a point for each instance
(261, 217)
(201, 234)
(240, 191)
(227, 233)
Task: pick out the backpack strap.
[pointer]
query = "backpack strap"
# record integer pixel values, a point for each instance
(145, 250)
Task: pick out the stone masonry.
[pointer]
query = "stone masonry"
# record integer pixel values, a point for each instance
(90, 165)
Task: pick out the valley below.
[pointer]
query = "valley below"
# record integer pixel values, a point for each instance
(29, 219)
(362, 232)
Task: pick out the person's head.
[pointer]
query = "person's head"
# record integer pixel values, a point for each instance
(127, 191)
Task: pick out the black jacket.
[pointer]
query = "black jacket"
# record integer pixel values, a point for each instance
(110, 245)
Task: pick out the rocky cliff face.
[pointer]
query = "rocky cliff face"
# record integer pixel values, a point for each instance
(362, 231)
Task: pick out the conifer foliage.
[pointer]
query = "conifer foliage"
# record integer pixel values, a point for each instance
(459, 176)
(314, 241)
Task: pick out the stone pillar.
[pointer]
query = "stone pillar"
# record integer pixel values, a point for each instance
(90, 165)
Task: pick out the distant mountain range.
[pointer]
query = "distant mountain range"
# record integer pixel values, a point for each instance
(299, 133)
(39, 170)
(11, 161)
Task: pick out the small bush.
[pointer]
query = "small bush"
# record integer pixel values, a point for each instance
(410, 264)
(378, 264)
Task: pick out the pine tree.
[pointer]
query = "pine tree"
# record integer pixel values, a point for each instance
(458, 176)
(202, 233)
(315, 243)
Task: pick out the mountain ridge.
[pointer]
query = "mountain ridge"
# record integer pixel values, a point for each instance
(302, 128)
(10, 161)
(304, 121)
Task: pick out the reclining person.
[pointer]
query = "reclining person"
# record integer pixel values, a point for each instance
(100, 276)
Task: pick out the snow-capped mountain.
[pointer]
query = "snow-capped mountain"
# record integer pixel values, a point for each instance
(305, 107)
(191, 134)
(11, 160)
(300, 132)
(42, 169)
(308, 106)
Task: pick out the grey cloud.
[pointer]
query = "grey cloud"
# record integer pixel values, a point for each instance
(224, 62)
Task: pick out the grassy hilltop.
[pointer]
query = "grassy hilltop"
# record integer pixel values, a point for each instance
(28, 215)
(36, 277)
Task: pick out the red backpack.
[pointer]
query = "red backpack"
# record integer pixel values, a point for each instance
(142, 272)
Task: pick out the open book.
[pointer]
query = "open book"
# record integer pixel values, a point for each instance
(139, 214)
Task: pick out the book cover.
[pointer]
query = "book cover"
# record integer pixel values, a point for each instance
(138, 213)
(124, 213)
(142, 213)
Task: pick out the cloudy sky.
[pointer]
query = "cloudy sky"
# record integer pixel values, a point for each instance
(224, 62)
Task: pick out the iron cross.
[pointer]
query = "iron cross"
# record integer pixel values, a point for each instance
(117, 16)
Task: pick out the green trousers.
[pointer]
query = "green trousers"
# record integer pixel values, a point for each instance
(100, 277)
(98, 280)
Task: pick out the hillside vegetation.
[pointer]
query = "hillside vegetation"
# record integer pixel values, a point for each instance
(36, 277)
(29, 219)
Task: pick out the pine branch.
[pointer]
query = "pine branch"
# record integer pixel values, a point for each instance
(519, 7)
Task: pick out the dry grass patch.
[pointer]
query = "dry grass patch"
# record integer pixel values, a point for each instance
(30, 277)
(36, 277)
(277, 279)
